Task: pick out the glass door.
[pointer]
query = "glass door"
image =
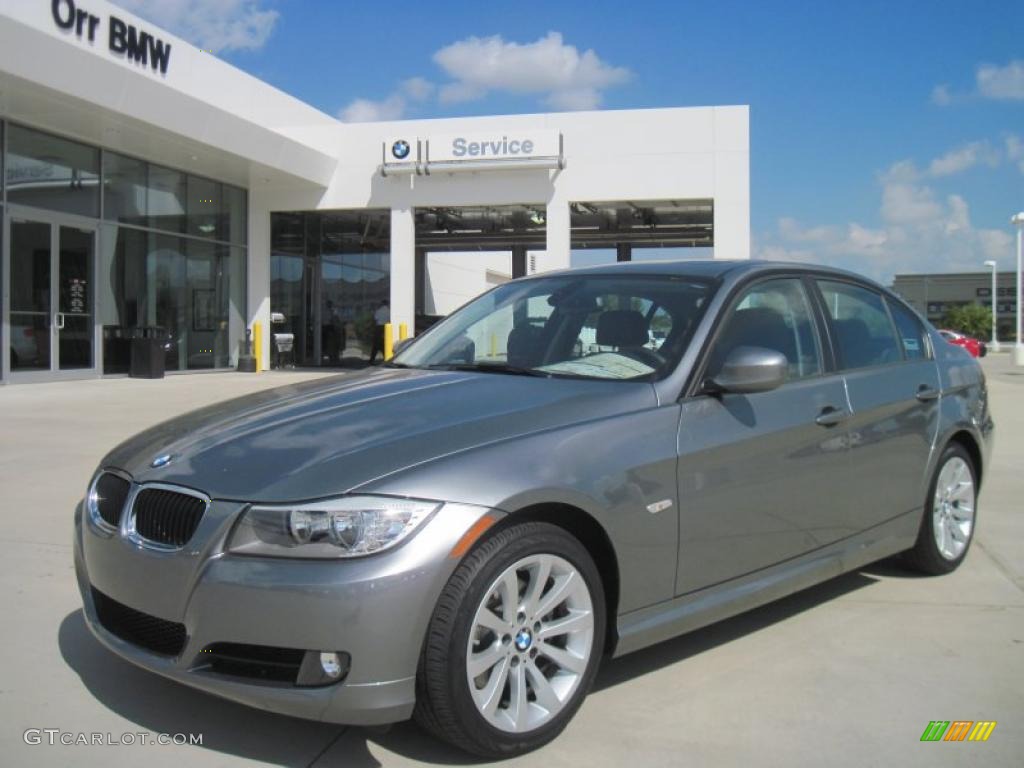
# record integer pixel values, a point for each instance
(50, 268)
(30, 278)
(73, 320)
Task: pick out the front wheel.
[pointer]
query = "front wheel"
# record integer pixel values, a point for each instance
(514, 642)
(947, 528)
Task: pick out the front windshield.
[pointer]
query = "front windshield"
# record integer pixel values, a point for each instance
(579, 326)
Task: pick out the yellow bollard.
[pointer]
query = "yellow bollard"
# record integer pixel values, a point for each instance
(494, 345)
(389, 341)
(403, 331)
(257, 345)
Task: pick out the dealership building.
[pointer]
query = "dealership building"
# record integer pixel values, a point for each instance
(936, 294)
(149, 189)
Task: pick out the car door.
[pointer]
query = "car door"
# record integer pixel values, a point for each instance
(893, 385)
(756, 471)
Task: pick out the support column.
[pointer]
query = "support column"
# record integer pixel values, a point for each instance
(403, 267)
(623, 252)
(518, 261)
(258, 277)
(421, 283)
(559, 239)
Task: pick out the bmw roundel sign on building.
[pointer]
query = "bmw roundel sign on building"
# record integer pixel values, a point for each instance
(400, 149)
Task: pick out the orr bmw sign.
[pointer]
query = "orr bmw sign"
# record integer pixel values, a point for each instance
(123, 39)
(472, 152)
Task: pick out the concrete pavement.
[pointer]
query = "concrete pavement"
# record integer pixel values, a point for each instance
(847, 673)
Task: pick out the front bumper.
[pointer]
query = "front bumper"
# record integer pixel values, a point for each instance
(376, 609)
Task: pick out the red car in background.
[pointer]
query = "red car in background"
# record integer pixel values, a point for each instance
(975, 347)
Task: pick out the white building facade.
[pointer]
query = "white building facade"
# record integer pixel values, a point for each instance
(151, 189)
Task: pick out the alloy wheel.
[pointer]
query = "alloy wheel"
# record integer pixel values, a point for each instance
(953, 508)
(530, 643)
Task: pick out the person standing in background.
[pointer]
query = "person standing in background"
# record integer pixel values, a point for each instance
(381, 317)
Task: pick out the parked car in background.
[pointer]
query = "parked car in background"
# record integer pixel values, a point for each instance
(975, 347)
(462, 535)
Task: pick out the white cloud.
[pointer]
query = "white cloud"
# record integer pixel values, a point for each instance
(793, 231)
(565, 77)
(904, 203)
(964, 158)
(921, 232)
(369, 111)
(391, 107)
(418, 88)
(1004, 83)
(941, 95)
(1015, 150)
(214, 25)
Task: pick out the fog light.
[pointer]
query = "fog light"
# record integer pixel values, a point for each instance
(323, 668)
(330, 664)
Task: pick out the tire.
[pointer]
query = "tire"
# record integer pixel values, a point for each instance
(549, 658)
(950, 514)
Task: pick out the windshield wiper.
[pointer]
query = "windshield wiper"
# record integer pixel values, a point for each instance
(513, 370)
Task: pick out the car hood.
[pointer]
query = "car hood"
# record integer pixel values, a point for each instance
(332, 435)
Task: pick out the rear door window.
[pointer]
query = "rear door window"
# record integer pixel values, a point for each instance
(861, 326)
(911, 333)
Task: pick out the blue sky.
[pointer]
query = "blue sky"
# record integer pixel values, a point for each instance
(885, 137)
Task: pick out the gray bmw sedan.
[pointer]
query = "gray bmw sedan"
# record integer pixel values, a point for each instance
(573, 465)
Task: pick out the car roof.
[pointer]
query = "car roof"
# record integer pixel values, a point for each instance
(708, 269)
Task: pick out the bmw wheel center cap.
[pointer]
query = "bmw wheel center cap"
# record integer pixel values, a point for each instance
(524, 639)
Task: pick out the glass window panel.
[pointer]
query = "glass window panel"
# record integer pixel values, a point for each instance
(50, 172)
(208, 295)
(287, 233)
(774, 315)
(30, 276)
(124, 189)
(911, 332)
(204, 208)
(236, 214)
(193, 292)
(165, 199)
(142, 291)
(863, 330)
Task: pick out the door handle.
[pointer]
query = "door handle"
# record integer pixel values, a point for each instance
(58, 320)
(830, 417)
(926, 394)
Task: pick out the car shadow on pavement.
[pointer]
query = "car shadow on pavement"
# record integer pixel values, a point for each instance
(163, 706)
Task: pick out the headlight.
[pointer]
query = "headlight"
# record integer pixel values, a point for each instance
(348, 526)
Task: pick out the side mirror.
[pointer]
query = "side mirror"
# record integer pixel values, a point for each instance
(398, 346)
(748, 370)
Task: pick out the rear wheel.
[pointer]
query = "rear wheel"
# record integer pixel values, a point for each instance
(514, 642)
(949, 516)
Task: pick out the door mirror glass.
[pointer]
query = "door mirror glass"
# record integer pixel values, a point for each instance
(747, 370)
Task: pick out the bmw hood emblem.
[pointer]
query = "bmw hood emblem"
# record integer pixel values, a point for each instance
(400, 149)
(161, 461)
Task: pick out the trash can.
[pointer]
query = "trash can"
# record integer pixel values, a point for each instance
(148, 354)
(283, 345)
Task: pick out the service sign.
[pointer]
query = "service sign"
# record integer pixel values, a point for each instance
(504, 145)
